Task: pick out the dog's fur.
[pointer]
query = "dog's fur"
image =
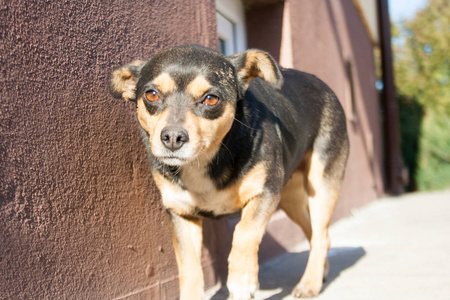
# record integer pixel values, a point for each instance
(268, 138)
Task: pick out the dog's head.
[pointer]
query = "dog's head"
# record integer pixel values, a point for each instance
(186, 97)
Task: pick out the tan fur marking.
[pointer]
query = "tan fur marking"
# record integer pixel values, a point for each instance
(243, 260)
(294, 201)
(165, 83)
(124, 81)
(257, 64)
(173, 197)
(305, 164)
(136, 63)
(202, 193)
(198, 87)
(209, 133)
(148, 121)
(220, 127)
(121, 75)
(315, 175)
(252, 185)
(187, 242)
(304, 167)
(295, 185)
(323, 195)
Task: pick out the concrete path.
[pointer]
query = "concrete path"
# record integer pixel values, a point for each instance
(395, 248)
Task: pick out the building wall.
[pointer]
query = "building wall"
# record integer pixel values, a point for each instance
(80, 217)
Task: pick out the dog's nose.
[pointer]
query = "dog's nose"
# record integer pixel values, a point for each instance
(173, 138)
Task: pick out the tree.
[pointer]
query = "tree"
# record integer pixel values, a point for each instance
(422, 74)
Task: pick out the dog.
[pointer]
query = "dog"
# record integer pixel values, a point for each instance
(238, 134)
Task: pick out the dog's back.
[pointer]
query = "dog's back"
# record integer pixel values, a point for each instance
(305, 114)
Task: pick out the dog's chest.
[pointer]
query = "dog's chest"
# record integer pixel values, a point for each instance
(204, 194)
(201, 194)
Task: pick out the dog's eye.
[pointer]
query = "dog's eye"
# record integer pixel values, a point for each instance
(152, 96)
(211, 100)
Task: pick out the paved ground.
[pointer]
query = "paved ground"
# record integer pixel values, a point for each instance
(395, 248)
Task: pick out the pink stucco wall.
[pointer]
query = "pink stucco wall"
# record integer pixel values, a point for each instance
(80, 217)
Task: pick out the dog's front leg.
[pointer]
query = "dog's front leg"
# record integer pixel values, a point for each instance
(243, 268)
(187, 242)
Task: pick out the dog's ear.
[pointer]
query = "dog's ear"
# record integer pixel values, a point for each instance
(256, 63)
(123, 81)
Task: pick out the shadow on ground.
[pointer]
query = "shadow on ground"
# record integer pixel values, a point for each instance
(282, 273)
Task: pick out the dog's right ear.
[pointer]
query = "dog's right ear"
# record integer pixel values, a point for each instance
(124, 79)
(256, 63)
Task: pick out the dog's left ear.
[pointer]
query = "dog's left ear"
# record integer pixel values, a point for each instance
(124, 79)
(256, 63)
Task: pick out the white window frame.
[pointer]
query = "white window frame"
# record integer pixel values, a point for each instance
(231, 25)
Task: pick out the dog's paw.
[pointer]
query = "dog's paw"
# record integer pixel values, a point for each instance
(238, 291)
(307, 289)
(244, 296)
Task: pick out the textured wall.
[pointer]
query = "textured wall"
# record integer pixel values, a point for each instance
(79, 214)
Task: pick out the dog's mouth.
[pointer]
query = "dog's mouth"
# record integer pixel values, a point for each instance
(173, 160)
(178, 158)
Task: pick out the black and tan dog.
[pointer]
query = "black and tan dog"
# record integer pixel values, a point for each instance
(226, 134)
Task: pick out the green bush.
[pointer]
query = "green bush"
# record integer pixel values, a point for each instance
(434, 164)
(422, 75)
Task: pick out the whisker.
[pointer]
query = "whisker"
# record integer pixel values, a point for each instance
(177, 170)
(244, 124)
(231, 154)
(198, 162)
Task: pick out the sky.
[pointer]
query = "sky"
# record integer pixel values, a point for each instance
(404, 9)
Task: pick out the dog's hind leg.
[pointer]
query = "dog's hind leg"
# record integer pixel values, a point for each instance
(318, 195)
(294, 202)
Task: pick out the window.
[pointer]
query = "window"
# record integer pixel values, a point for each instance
(231, 26)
